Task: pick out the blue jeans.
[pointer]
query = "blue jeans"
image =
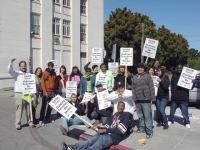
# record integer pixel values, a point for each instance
(95, 115)
(97, 142)
(160, 107)
(184, 110)
(73, 121)
(144, 113)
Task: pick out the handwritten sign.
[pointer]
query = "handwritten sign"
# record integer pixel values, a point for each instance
(126, 56)
(103, 80)
(103, 104)
(87, 97)
(62, 106)
(28, 84)
(150, 48)
(56, 67)
(155, 82)
(113, 68)
(71, 87)
(186, 77)
(96, 55)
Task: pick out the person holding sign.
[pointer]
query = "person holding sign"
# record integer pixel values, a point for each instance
(121, 75)
(61, 81)
(48, 85)
(94, 68)
(19, 102)
(112, 133)
(143, 95)
(81, 111)
(108, 74)
(97, 114)
(162, 98)
(179, 97)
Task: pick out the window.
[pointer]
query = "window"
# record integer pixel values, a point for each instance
(35, 24)
(83, 33)
(66, 27)
(56, 1)
(83, 6)
(66, 2)
(56, 26)
(83, 54)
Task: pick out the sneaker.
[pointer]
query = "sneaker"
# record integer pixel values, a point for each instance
(41, 123)
(18, 127)
(62, 129)
(140, 131)
(165, 127)
(148, 136)
(64, 146)
(62, 117)
(159, 124)
(169, 123)
(187, 126)
(50, 121)
(31, 125)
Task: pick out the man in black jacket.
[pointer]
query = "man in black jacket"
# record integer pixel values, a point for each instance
(179, 98)
(81, 111)
(111, 134)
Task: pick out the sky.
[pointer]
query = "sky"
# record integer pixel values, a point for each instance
(179, 16)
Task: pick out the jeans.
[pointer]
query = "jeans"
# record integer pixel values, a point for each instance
(73, 121)
(97, 142)
(144, 113)
(152, 109)
(184, 110)
(161, 115)
(62, 94)
(95, 115)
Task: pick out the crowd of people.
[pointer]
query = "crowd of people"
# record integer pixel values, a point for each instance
(117, 119)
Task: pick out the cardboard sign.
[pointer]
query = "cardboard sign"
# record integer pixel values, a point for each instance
(186, 77)
(126, 56)
(87, 97)
(113, 68)
(150, 48)
(62, 106)
(28, 84)
(56, 67)
(96, 55)
(103, 104)
(155, 82)
(71, 87)
(103, 80)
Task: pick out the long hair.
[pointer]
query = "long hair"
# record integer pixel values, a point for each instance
(154, 63)
(78, 71)
(37, 70)
(119, 72)
(65, 72)
(164, 76)
(149, 69)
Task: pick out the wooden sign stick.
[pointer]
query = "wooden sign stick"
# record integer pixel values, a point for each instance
(146, 60)
(125, 76)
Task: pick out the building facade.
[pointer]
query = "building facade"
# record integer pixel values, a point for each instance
(63, 30)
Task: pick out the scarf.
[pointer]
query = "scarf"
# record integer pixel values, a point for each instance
(87, 76)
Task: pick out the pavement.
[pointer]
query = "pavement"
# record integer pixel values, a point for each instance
(49, 137)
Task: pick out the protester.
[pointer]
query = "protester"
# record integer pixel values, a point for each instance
(113, 133)
(19, 102)
(124, 95)
(38, 94)
(179, 98)
(143, 95)
(61, 81)
(81, 111)
(108, 74)
(48, 85)
(162, 98)
(156, 64)
(151, 71)
(121, 75)
(94, 68)
(97, 114)
(76, 76)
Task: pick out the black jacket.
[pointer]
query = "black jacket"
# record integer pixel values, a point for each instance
(80, 108)
(121, 78)
(163, 90)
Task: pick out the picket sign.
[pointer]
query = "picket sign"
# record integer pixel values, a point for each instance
(96, 55)
(103, 104)
(28, 88)
(155, 82)
(126, 59)
(103, 80)
(87, 97)
(112, 66)
(186, 77)
(71, 88)
(55, 67)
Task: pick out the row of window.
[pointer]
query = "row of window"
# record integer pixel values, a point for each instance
(65, 2)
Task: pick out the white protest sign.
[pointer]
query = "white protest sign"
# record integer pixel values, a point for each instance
(87, 97)
(103, 104)
(62, 106)
(155, 82)
(71, 87)
(150, 48)
(126, 56)
(28, 84)
(186, 77)
(96, 55)
(56, 67)
(103, 80)
(113, 68)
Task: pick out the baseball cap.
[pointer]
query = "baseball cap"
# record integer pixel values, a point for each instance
(120, 84)
(98, 84)
(141, 65)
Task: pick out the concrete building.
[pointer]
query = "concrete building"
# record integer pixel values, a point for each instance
(65, 30)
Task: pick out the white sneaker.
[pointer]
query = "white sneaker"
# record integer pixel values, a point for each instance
(169, 123)
(41, 123)
(187, 126)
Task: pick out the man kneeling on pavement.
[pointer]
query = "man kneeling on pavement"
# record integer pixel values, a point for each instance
(112, 133)
(81, 111)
